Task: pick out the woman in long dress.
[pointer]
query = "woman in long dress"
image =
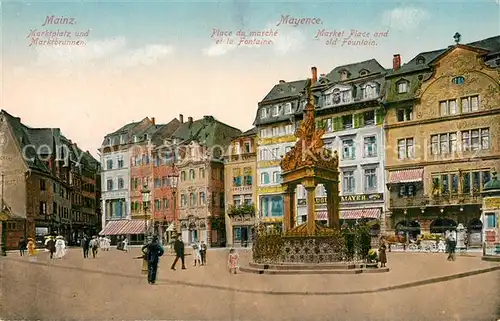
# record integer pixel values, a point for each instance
(232, 261)
(60, 247)
(196, 254)
(31, 249)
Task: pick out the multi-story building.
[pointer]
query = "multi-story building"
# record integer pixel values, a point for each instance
(348, 109)
(275, 126)
(442, 137)
(241, 191)
(200, 191)
(37, 182)
(115, 177)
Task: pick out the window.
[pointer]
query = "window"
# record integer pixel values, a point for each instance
(246, 147)
(109, 184)
(263, 132)
(370, 179)
(201, 173)
(420, 60)
(43, 187)
(370, 146)
(247, 176)
(443, 143)
(109, 164)
(329, 125)
(120, 161)
(344, 75)
(402, 87)
(157, 182)
(445, 186)
(276, 177)
(369, 117)
(263, 113)
(120, 183)
(407, 190)
(122, 139)
(348, 182)
(237, 201)
(276, 111)
(288, 108)
(183, 176)
(191, 174)
(454, 183)
(328, 100)
(264, 178)
(135, 139)
(166, 203)
(347, 121)
(275, 153)
(466, 183)
(476, 182)
(348, 149)
(475, 139)
(289, 130)
(221, 200)
(458, 80)
(486, 175)
(405, 148)
(183, 200)
(54, 188)
(202, 198)
(287, 149)
(448, 107)
(43, 208)
(276, 131)
(157, 204)
(405, 114)
(369, 92)
(470, 104)
(157, 161)
(491, 221)
(236, 177)
(346, 96)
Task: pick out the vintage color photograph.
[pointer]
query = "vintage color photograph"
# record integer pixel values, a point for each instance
(250, 160)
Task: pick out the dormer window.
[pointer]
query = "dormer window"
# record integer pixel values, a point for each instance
(135, 139)
(276, 111)
(292, 89)
(420, 60)
(122, 139)
(280, 90)
(288, 108)
(363, 72)
(108, 141)
(344, 74)
(263, 113)
(402, 86)
(369, 91)
(458, 80)
(146, 137)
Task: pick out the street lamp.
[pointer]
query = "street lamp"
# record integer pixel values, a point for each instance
(174, 179)
(145, 202)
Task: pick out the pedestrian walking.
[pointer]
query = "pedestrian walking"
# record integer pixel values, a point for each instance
(232, 261)
(382, 257)
(107, 243)
(179, 252)
(32, 251)
(22, 246)
(85, 242)
(203, 253)
(50, 245)
(125, 245)
(94, 245)
(196, 254)
(452, 244)
(153, 251)
(60, 247)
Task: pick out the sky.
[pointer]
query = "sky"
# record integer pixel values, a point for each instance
(137, 59)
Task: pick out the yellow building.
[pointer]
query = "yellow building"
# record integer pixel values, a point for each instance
(241, 191)
(275, 122)
(442, 135)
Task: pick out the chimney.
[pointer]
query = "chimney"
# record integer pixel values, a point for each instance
(282, 81)
(153, 120)
(181, 118)
(190, 120)
(314, 72)
(396, 62)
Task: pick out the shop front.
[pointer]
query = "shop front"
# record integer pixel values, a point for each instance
(491, 216)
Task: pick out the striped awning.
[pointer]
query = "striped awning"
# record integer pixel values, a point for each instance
(355, 214)
(123, 227)
(321, 216)
(406, 176)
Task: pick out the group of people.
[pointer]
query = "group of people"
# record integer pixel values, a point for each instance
(55, 245)
(94, 244)
(199, 253)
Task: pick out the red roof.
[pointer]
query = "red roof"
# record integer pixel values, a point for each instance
(407, 175)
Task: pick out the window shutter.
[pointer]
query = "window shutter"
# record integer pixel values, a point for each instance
(379, 116)
(337, 121)
(356, 120)
(361, 120)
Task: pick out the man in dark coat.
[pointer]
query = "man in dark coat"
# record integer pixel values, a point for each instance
(153, 251)
(22, 246)
(51, 246)
(179, 252)
(86, 246)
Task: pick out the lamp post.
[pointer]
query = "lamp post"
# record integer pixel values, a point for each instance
(174, 179)
(145, 202)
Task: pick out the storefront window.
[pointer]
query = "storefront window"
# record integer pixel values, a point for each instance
(237, 233)
(491, 220)
(277, 206)
(454, 183)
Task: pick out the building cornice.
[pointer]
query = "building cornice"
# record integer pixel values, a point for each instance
(443, 162)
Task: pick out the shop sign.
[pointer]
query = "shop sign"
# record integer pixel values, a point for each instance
(271, 190)
(492, 202)
(362, 198)
(242, 189)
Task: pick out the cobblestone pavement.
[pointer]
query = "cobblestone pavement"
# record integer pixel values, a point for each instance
(111, 287)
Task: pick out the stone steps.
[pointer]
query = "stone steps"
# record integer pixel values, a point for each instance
(313, 271)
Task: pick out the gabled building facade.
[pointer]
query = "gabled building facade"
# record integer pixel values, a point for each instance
(442, 132)
(240, 177)
(200, 148)
(275, 127)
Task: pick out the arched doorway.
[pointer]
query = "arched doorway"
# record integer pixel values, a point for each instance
(442, 224)
(410, 227)
(475, 232)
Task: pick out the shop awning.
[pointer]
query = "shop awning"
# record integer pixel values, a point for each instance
(355, 214)
(171, 227)
(406, 176)
(123, 227)
(321, 216)
(272, 219)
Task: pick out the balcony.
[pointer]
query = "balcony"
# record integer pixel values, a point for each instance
(245, 209)
(440, 200)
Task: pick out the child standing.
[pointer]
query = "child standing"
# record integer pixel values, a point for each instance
(31, 250)
(232, 261)
(196, 254)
